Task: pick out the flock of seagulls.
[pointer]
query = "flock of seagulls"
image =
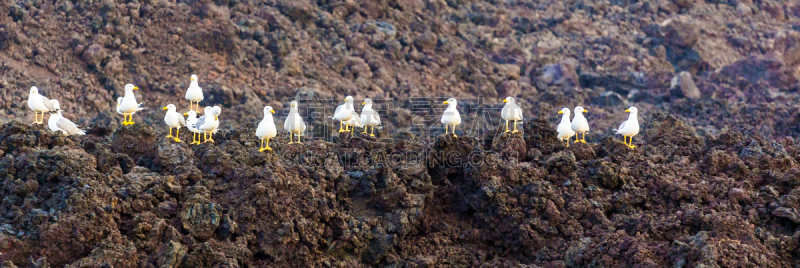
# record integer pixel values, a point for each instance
(208, 124)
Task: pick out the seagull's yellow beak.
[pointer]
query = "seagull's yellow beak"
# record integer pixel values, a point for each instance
(363, 103)
(185, 114)
(272, 111)
(505, 100)
(627, 110)
(445, 102)
(165, 108)
(585, 111)
(216, 117)
(192, 79)
(135, 88)
(560, 112)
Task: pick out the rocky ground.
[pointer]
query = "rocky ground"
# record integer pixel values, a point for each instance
(713, 182)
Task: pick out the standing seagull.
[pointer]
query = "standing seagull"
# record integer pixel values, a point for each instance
(208, 124)
(266, 128)
(511, 112)
(630, 127)
(565, 127)
(580, 124)
(39, 104)
(128, 106)
(451, 117)
(119, 104)
(369, 117)
(294, 123)
(57, 123)
(344, 113)
(174, 120)
(191, 120)
(194, 94)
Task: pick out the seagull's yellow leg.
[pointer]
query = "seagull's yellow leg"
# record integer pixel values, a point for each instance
(211, 137)
(267, 147)
(515, 127)
(454, 131)
(365, 129)
(177, 134)
(130, 122)
(631, 144)
(340, 127)
(261, 149)
(507, 126)
(290, 138)
(445, 129)
(584, 137)
(352, 128)
(170, 133)
(298, 139)
(568, 141)
(371, 131)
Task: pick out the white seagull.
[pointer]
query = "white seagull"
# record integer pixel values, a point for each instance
(207, 124)
(630, 127)
(294, 123)
(564, 128)
(119, 104)
(128, 106)
(511, 112)
(39, 104)
(369, 117)
(174, 120)
(451, 117)
(57, 123)
(344, 113)
(580, 124)
(191, 120)
(266, 128)
(194, 94)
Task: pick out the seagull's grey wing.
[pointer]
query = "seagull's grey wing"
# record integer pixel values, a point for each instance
(621, 126)
(376, 117)
(68, 126)
(338, 108)
(181, 120)
(200, 122)
(48, 103)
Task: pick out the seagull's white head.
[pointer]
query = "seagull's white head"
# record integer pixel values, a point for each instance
(451, 102)
(191, 114)
(194, 77)
(34, 90)
(579, 110)
(632, 110)
(367, 101)
(268, 110)
(348, 99)
(56, 105)
(170, 107)
(208, 110)
(294, 104)
(130, 87)
(564, 111)
(509, 99)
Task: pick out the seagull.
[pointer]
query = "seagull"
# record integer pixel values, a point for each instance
(294, 123)
(39, 104)
(451, 117)
(266, 128)
(369, 117)
(128, 105)
(216, 110)
(565, 127)
(191, 120)
(173, 120)
(194, 94)
(580, 124)
(354, 122)
(630, 127)
(344, 113)
(511, 112)
(119, 102)
(207, 124)
(57, 123)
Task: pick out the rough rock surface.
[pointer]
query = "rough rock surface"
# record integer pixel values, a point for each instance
(712, 182)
